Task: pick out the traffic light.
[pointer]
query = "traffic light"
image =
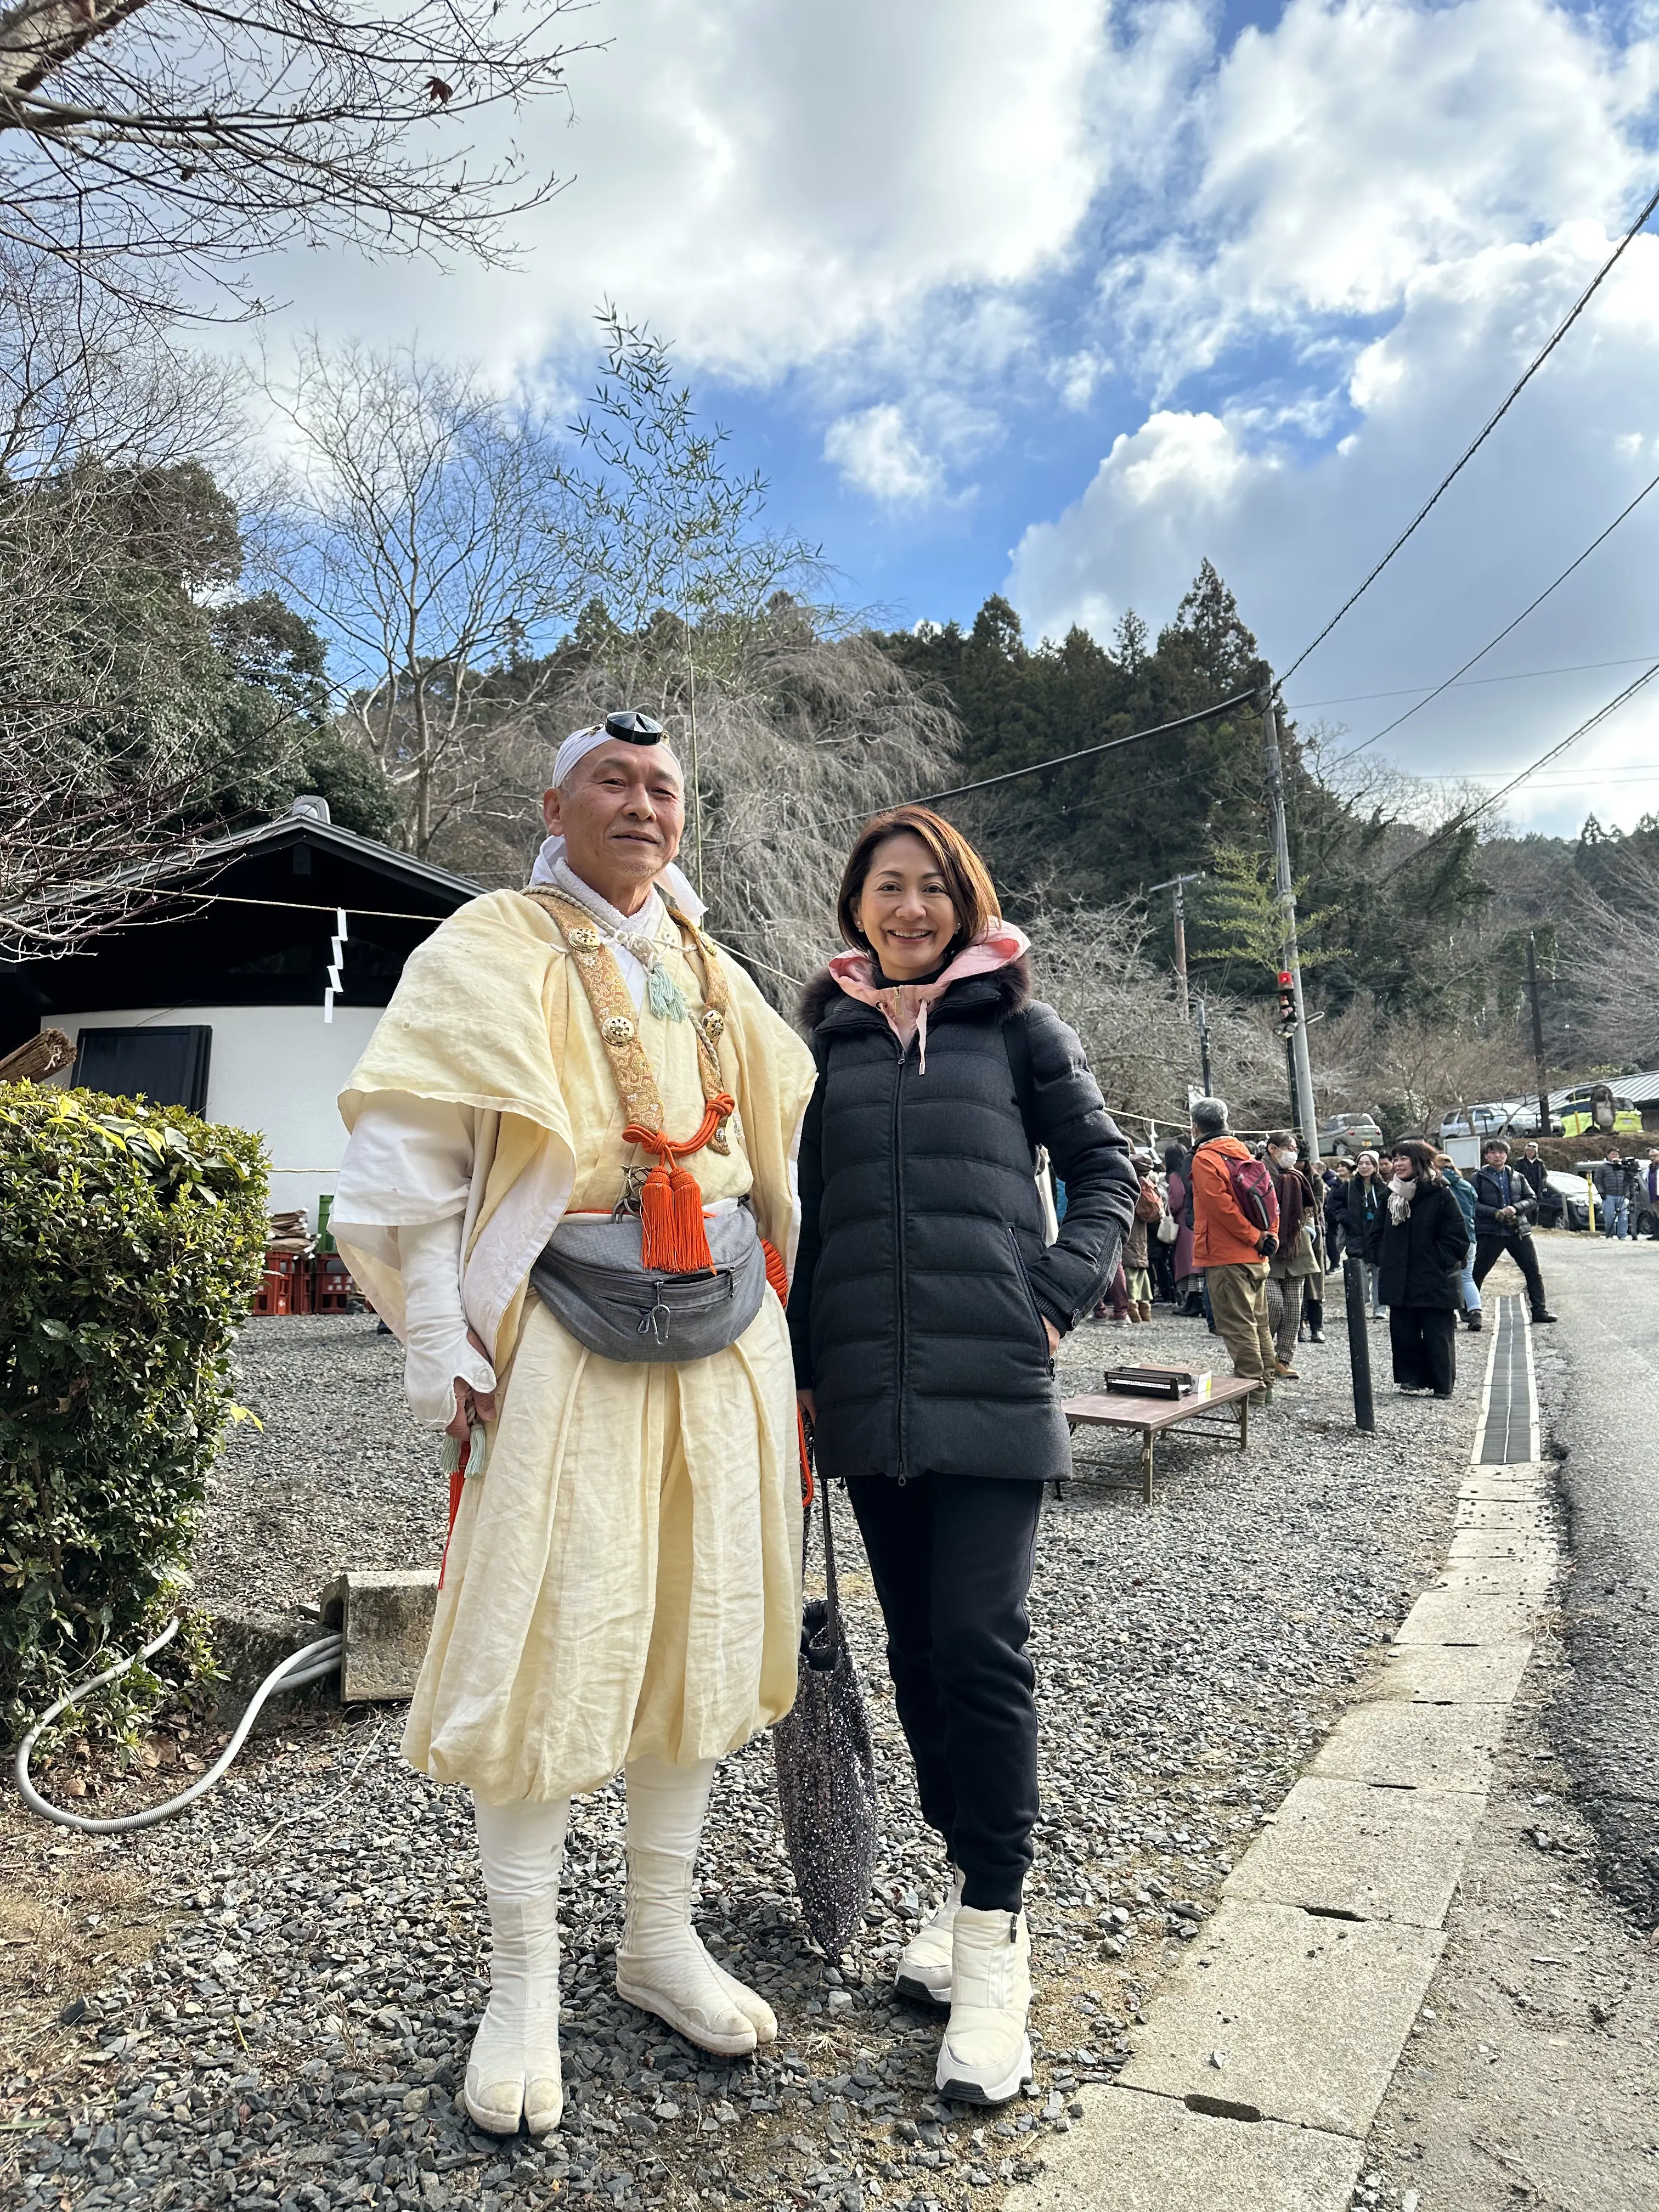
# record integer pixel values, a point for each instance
(1286, 1003)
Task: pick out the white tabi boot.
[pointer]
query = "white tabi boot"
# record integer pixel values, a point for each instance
(513, 2071)
(925, 1964)
(985, 2057)
(661, 1964)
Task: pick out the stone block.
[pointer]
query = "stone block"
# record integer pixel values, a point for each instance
(1523, 1515)
(1349, 1847)
(1526, 1579)
(386, 1613)
(1460, 1617)
(1429, 1746)
(1133, 2153)
(1451, 1673)
(1510, 1481)
(1277, 2014)
(1524, 1545)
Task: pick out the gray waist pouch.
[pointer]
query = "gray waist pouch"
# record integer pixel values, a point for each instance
(591, 1280)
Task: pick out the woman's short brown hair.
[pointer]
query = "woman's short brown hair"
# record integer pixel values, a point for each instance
(967, 879)
(1423, 1157)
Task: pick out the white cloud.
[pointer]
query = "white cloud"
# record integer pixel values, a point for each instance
(1358, 142)
(1454, 174)
(1293, 535)
(876, 454)
(772, 185)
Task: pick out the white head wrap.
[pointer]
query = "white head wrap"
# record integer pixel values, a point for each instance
(575, 749)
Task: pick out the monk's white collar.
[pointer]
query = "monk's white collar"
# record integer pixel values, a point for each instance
(671, 880)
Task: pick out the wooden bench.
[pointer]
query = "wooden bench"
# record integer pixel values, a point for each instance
(1230, 1393)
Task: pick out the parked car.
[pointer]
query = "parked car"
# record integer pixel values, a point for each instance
(1575, 1198)
(1347, 1135)
(1505, 1117)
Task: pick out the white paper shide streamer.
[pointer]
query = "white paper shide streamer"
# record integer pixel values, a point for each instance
(337, 962)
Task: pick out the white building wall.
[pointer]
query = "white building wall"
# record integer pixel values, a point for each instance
(275, 1069)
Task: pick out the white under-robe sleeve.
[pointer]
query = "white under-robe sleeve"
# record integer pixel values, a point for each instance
(401, 1194)
(408, 1159)
(435, 1349)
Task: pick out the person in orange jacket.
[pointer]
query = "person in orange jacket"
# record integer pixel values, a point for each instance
(1232, 1244)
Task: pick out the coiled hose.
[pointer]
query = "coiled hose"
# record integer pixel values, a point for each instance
(309, 1664)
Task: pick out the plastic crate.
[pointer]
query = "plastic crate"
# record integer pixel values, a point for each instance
(282, 1285)
(332, 1286)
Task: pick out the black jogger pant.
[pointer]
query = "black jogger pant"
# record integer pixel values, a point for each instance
(1424, 1342)
(1487, 1247)
(951, 1557)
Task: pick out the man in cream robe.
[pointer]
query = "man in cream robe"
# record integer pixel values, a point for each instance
(621, 1588)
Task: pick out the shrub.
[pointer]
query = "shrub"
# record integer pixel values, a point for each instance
(131, 1241)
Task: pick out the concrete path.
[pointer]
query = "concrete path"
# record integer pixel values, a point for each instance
(1264, 2059)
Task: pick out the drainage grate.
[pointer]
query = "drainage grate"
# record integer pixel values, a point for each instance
(1506, 1432)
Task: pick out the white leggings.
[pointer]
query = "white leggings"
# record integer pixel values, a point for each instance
(521, 1847)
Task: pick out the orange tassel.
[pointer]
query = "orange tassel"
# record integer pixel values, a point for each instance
(672, 1238)
(691, 1253)
(657, 1223)
(457, 1488)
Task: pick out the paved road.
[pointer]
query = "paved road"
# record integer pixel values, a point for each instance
(1601, 1370)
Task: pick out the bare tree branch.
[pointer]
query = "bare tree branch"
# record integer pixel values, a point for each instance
(426, 526)
(179, 137)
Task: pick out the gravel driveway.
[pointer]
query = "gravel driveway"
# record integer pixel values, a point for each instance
(297, 2037)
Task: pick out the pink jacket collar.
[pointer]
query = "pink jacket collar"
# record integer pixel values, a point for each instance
(905, 1004)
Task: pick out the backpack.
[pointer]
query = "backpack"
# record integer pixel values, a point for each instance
(1148, 1206)
(1254, 1193)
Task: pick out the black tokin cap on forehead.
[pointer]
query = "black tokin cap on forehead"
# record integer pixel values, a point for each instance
(633, 728)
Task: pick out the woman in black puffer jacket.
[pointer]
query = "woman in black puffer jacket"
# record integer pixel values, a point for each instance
(926, 1310)
(1420, 1268)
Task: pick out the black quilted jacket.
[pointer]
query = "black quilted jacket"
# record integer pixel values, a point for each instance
(922, 1280)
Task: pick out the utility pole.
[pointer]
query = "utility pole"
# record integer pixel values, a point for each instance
(1175, 884)
(1204, 1042)
(1538, 1040)
(1306, 1113)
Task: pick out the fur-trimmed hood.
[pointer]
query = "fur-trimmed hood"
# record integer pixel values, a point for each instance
(1010, 985)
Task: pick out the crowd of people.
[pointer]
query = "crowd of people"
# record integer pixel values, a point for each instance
(1232, 1218)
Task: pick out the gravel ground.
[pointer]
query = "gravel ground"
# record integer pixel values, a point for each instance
(298, 2034)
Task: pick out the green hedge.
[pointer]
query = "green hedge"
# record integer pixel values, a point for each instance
(131, 1239)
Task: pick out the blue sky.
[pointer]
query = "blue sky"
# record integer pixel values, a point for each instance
(1057, 297)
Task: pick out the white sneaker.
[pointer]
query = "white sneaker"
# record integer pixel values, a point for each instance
(985, 2055)
(662, 1967)
(924, 1966)
(512, 2069)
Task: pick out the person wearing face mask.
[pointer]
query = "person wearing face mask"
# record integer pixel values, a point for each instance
(1420, 1262)
(926, 1310)
(1295, 1263)
(1367, 1215)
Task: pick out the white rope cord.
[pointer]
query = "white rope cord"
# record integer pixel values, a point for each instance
(309, 1664)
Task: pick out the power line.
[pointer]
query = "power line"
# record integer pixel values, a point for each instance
(1417, 690)
(1503, 633)
(1480, 438)
(1462, 819)
(1060, 759)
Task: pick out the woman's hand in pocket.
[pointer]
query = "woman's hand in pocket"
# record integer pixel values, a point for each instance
(1053, 1335)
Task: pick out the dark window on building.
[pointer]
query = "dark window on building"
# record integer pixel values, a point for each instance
(168, 1066)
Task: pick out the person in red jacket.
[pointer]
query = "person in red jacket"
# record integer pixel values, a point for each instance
(1231, 1247)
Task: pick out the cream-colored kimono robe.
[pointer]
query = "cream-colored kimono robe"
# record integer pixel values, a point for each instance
(624, 1579)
